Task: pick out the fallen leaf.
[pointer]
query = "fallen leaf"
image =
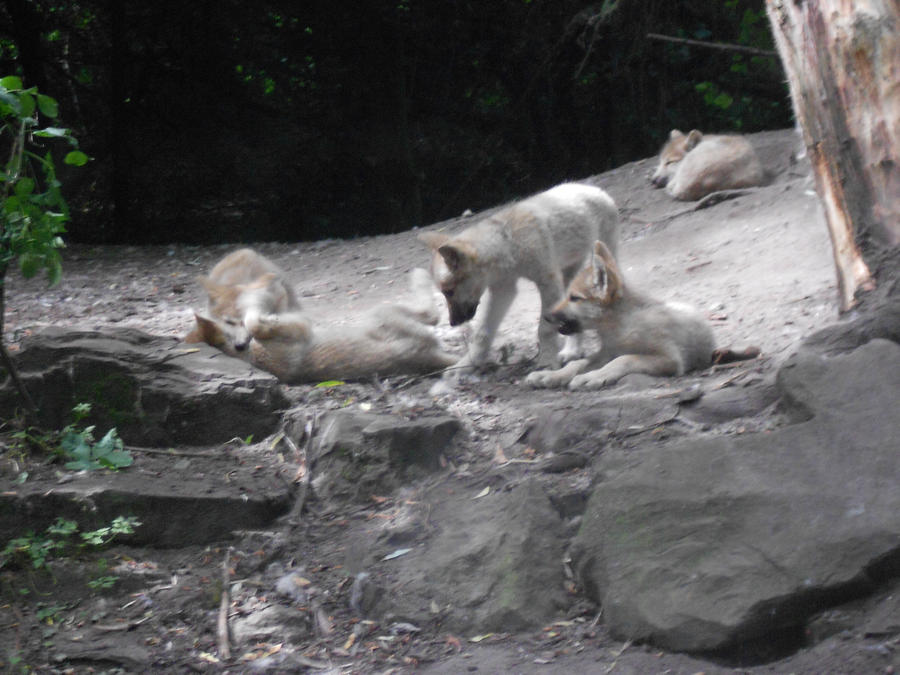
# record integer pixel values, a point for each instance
(480, 638)
(483, 493)
(396, 554)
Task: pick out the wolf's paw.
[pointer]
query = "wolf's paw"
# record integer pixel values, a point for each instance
(544, 379)
(593, 380)
(261, 326)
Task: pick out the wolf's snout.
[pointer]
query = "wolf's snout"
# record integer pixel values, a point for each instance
(659, 181)
(459, 314)
(566, 325)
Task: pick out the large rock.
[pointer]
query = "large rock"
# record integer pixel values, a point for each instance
(484, 563)
(359, 454)
(229, 489)
(705, 544)
(154, 390)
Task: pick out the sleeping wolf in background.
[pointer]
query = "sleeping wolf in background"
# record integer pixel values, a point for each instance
(243, 286)
(638, 334)
(394, 340)
(694, 165)
(545, 238)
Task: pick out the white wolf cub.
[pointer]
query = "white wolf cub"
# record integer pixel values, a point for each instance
(694, 165)
(544, 238)
(392, 340)
(639, 334)
(243, 286)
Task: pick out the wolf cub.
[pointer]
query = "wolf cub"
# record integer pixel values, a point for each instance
(638, 334)
(694, 165)
(544, 239)
(243, 286)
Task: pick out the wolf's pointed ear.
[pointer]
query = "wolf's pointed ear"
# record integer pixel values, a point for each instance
(206, 331)
(607, 278)
(433, 240)
(457, 254)
(675, 134)
(693, 139)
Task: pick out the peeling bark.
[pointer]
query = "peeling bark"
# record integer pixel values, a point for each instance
(842, 61)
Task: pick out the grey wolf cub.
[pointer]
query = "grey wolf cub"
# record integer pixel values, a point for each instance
(544, 238)
(694, 165)
(639, 334)
(395, 339)
(242, 286)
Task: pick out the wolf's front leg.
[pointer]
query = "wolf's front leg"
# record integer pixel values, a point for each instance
(624, 365)
(496, 304)
(556, 378)
(288, 326)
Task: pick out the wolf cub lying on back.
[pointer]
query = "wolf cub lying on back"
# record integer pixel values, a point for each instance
(243, 286)
(544, 239)
(639, 334)
(394, 340)
(694, 165)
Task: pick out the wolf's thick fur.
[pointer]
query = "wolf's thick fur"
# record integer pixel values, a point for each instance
(544, 238)
(242, 286)
(694, 165)
(393, 340)
(638, 334)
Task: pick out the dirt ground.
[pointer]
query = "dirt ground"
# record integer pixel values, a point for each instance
(759, 266)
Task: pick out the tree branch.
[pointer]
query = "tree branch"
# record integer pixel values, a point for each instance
(713, 45)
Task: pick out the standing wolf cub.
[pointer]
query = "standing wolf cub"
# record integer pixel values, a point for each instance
(639, 334)
(393, 340)
(694, 165)
(544, 238)
(242, 286)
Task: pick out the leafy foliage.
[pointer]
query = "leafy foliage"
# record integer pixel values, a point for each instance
(56, 540)
(34, 212)
(75, 444)
(85, 455)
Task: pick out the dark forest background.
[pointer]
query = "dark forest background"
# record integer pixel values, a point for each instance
(228, 120)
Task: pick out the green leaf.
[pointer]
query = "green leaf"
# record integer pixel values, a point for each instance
(723, 101)
(29, 265)
(330, 383)
(9, 103)
(108, 443)
(11, 82)
(48, 105)
(24, 187)
(26, 101)
(118, 459)
(54, 273)
(52, 132)
(76, 158)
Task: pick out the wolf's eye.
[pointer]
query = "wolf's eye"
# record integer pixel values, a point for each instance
(575, 298)
(449, 293)
(231, 322)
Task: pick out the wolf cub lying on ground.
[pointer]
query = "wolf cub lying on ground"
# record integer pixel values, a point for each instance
(544, 239)
(244, 285)
(393, 340)
(639, 334)
(694, 165)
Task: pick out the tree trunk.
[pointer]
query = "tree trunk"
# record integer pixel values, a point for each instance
(842, 61)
